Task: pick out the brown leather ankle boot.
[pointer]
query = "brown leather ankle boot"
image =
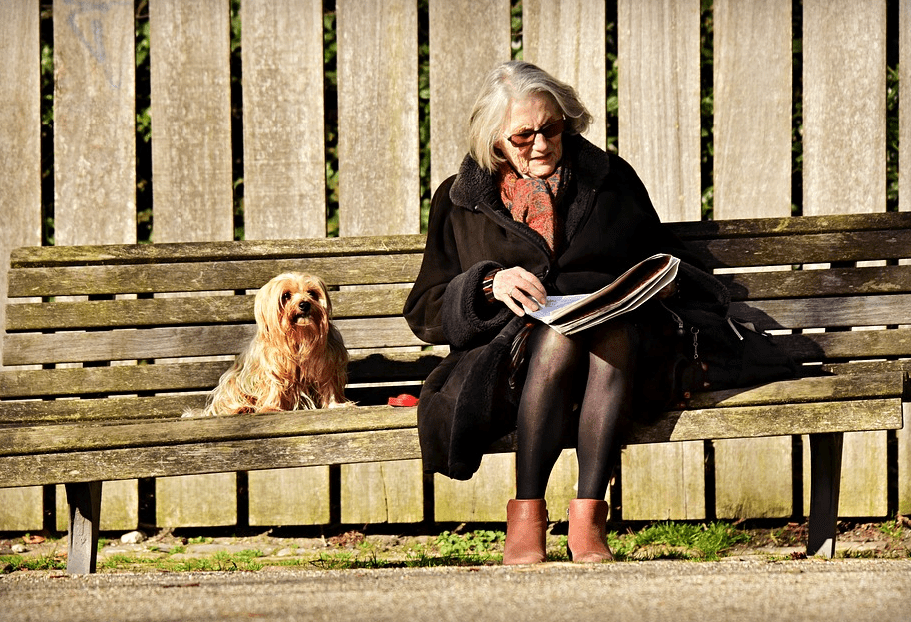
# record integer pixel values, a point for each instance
(587, 531)
(526, 527)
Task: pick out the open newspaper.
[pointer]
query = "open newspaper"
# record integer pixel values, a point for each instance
(571, 314)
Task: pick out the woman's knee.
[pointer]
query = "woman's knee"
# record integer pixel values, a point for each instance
(615, 345)
(557, 354)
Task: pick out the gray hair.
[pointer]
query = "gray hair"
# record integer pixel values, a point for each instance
(514, 81)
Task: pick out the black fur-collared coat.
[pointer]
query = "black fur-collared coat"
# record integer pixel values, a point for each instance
(609, 224)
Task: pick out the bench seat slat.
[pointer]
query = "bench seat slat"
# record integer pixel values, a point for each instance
(217, 309)
(219, 454)
(210, 457)
(90, 436)
(774, 420)
(769, 399)
(206, 276)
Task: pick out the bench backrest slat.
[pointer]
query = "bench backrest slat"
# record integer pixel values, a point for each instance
(149, 312)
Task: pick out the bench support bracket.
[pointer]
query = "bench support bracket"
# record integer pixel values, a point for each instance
(825, 481)
(84, 499)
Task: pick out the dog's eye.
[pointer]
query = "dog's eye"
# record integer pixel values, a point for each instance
(314, 294)
(286, 296)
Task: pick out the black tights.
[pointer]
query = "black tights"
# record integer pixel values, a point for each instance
(597, 367)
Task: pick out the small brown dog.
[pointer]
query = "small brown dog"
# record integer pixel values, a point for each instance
(297, 360)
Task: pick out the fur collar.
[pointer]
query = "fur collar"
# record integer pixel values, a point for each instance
(474, 186)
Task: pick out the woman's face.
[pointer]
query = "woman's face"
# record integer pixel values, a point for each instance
(533, 154)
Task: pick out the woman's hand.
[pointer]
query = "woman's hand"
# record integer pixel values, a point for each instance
(516, 287)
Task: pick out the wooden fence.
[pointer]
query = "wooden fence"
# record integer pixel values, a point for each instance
(840, 91)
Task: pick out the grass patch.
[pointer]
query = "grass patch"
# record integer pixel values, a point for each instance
(668, 540)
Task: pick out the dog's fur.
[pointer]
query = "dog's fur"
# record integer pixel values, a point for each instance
(297, 360)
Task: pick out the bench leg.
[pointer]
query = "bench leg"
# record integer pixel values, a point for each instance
(825, 481)
(84, 499)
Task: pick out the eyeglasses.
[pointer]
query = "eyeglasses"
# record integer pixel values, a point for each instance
(527, 138)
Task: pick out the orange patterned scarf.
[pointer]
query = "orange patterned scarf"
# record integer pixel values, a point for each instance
(534, 201)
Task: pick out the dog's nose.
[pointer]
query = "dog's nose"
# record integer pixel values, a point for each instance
(304, 306)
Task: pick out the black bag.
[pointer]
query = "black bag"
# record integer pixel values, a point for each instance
(695, 345)
(723, 352)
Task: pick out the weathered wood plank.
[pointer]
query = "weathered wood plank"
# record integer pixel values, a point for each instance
(752, 108)
(94, 123)
(753, 480)
(163, 377)
(206, 276)
(904, 204)
(197, 310)
(694, 424)
(95, 133)
(163, 252)
(904, 112)
(904, 458)
(38, 256)
(22, 509)
(284, 141)
(379, 188)
(372, 367)
(658, 82)
(105, 409)
(812, 283)
(844, 54)
(483, 498)
(288, 496)
(399, 497)
(20, 133)
(191, 135)
(284, 189)
(473, 39)
(847, 344)
(192, 169)
(663, 482)
(184, 341)
(864, 493)
(829, 312)
(844, 106)
(402, 268)
(207, 457)
(119, 506)
(79, 437)
(567, 39)
(208, 500)
(378, 143)
(803, 249)
(20, 200)
(773, 420)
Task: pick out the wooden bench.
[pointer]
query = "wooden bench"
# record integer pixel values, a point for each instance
(143, 354)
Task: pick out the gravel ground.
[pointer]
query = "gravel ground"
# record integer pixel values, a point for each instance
(810, 590)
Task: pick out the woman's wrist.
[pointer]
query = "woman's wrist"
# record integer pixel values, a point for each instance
(487, 284)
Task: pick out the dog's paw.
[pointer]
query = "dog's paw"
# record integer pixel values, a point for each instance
(192, 413)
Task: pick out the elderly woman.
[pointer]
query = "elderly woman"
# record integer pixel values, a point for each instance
(535, 209)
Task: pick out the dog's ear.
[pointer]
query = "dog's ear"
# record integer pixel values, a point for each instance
(325, 300)
(267, 306)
